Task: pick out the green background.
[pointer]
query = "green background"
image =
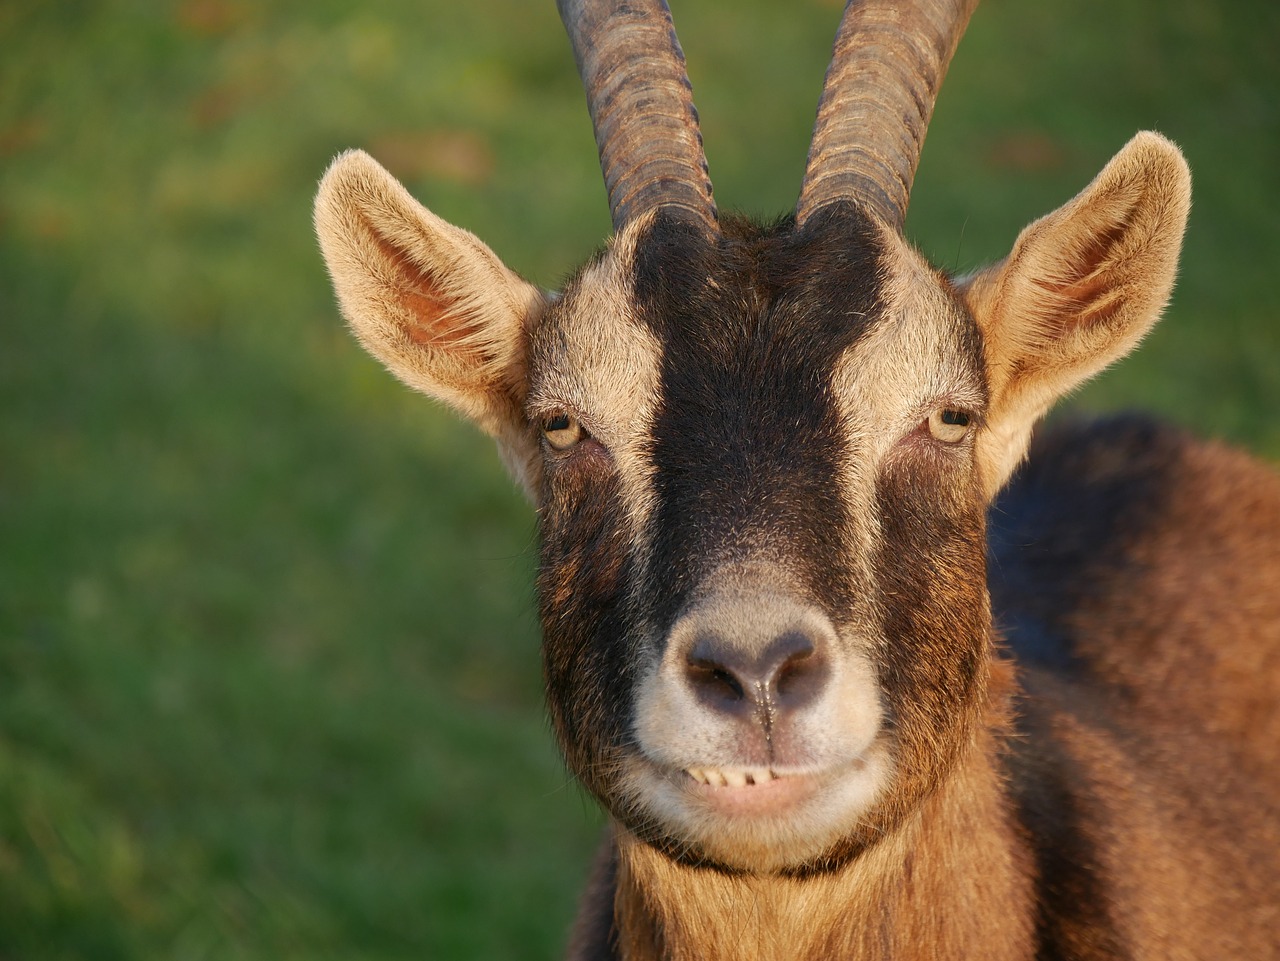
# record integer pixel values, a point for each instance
(269, 681)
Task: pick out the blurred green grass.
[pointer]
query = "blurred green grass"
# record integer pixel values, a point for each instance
(269, 682)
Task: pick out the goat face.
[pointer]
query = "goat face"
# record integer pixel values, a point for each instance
(761, 456)
(762, 585)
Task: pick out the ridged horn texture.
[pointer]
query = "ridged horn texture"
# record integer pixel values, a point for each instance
(887, 67)
(641, 107)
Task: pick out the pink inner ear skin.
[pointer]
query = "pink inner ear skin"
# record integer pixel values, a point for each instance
(1091, 296)
(433, 324)
(430, 325)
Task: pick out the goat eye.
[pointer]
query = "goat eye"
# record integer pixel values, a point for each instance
(562, 431)
(949, 425)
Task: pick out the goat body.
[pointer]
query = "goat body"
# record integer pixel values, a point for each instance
(844, 689)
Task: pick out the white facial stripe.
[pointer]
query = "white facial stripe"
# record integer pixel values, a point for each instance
(605, 368)
(891, 378)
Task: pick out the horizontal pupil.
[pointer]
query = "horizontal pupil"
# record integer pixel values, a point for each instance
(957, 417)
(559, 422)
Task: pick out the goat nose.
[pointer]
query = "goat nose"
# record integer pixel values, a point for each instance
(785, 675)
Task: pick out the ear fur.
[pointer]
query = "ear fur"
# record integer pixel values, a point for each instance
(429, 300)
(1078, 291)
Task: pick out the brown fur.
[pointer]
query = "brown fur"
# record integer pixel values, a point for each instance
(1179, 620)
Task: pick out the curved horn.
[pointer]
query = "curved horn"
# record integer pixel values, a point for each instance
(641, 107)
(886, 69)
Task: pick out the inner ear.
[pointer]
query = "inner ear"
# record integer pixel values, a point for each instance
(1084, 293)
(434, 316)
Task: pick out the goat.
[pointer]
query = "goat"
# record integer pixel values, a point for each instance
(843, 688)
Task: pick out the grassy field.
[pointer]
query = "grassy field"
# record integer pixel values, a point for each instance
(269, 679)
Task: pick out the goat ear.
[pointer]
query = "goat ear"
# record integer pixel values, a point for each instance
(429, 300)
(1078, 291)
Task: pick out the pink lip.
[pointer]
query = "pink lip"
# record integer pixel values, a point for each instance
(772, 795)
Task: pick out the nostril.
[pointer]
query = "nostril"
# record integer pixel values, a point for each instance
(792, 671)
(716, 675)
(716, 679)
(787, 652)
(798, 675)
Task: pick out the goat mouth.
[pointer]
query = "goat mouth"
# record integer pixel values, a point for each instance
(749, 791)
(784, 816)
(732, 776)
